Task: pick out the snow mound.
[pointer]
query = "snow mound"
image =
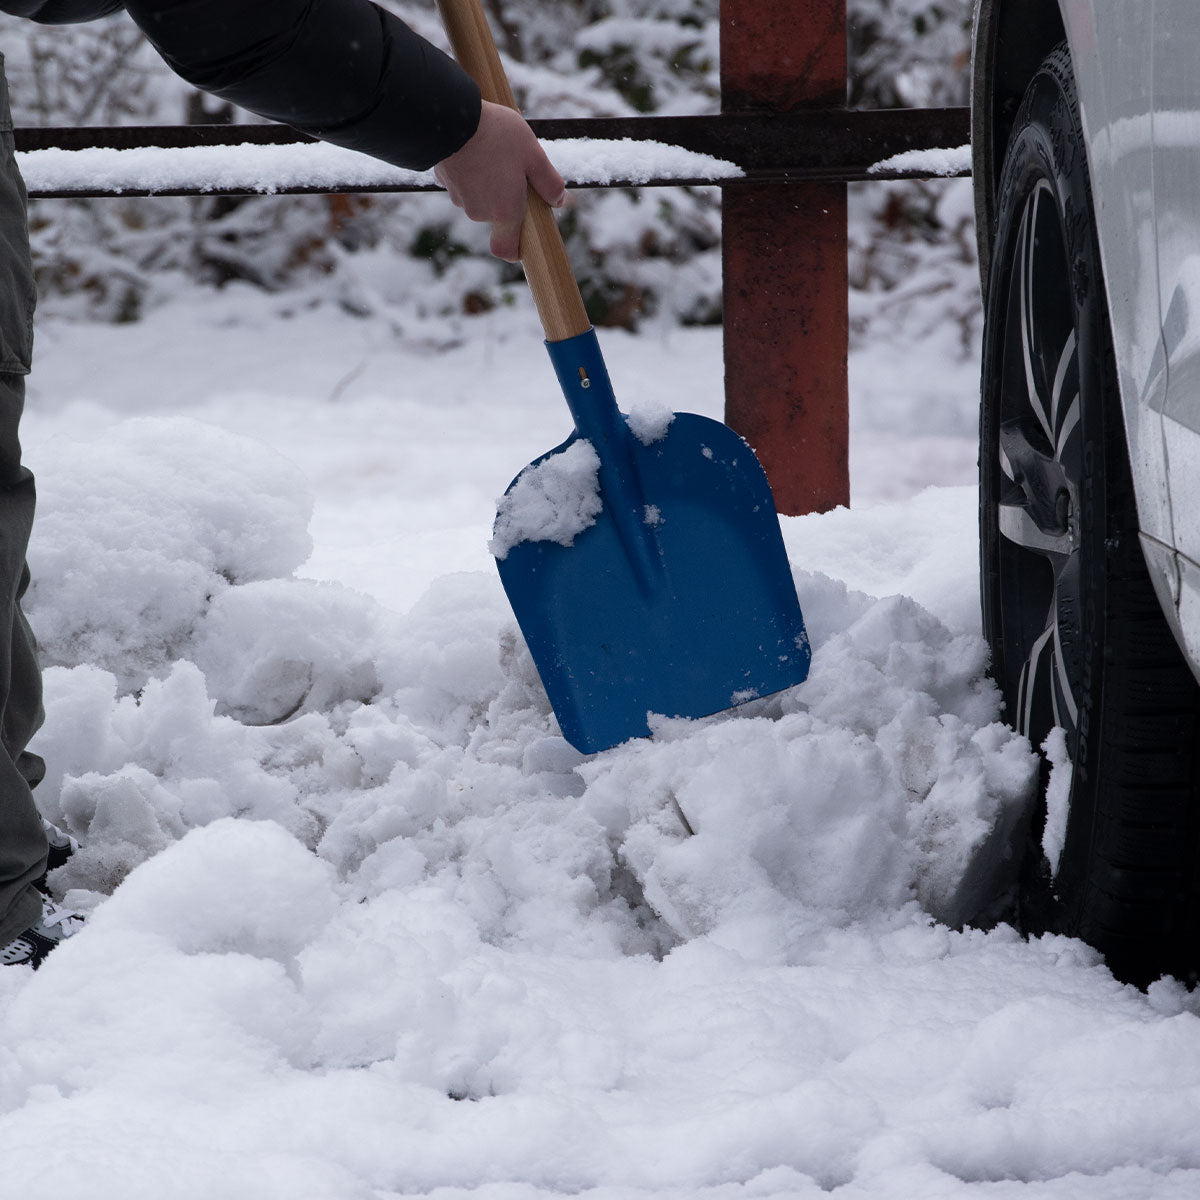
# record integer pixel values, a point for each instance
(885, 776)
(139, 529)
(420, 752)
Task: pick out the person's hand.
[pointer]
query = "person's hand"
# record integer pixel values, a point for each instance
(489, 176)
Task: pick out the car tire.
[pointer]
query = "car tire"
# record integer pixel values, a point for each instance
(1078, 640)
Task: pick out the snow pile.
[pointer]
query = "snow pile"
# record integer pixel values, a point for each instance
(419, 749)
(196, 680)
(885, 773)
(141, 529)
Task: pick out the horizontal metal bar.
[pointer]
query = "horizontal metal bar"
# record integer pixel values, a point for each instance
(803, 146)
(140, 137)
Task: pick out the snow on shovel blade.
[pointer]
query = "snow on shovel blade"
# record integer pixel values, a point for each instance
(659, 584)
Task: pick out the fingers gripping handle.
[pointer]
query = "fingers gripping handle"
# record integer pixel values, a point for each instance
(543, 255)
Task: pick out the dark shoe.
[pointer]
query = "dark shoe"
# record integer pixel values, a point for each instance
(62, 846)
(29, 948)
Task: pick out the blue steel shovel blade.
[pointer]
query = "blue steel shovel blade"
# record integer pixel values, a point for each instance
(721, 623)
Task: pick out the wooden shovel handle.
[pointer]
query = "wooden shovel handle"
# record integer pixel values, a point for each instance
(543, 254)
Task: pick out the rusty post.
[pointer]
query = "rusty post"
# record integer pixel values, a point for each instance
(785, 288)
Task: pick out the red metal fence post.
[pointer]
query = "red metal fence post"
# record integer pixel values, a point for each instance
(785, 289)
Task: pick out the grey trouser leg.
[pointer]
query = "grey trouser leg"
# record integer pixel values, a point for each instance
(22, 841)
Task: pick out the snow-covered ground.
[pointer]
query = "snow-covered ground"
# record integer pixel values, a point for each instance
(364, 926)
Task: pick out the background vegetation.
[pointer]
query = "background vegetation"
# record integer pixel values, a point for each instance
(641, 254)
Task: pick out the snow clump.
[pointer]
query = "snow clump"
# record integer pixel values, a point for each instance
(553, 500)
(649, 421)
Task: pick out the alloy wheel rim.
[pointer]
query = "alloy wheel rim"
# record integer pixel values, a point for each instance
(1040, 461)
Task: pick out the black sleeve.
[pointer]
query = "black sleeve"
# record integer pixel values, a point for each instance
(61, 12)
(342, 70)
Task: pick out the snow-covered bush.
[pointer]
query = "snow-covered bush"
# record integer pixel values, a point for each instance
(912, 248)
(636, 253)
(908, 53)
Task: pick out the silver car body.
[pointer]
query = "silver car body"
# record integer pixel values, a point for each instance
(1135, 65)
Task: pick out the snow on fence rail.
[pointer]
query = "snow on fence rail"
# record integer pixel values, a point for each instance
(249, 169)
(825, 145)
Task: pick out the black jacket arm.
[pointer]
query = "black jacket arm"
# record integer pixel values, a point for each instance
(342, 70)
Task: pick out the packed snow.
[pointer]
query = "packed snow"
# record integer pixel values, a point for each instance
(364, 926)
